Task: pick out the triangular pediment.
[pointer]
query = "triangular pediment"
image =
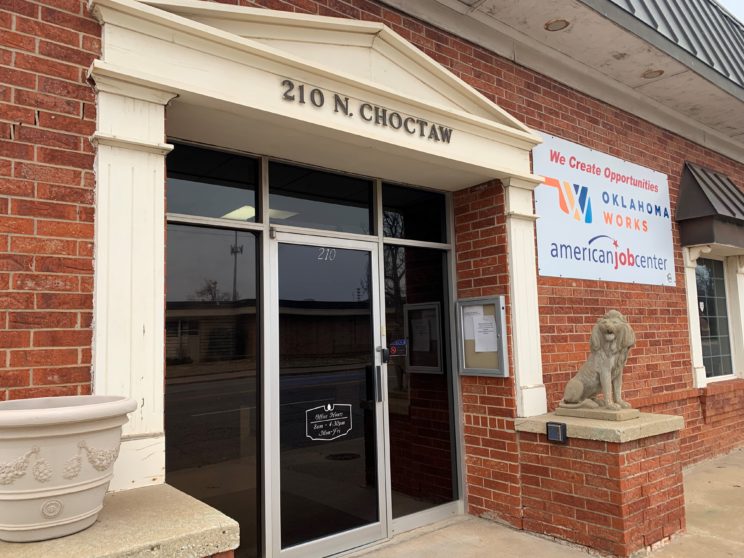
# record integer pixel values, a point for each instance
(366, 51)
(337, 93)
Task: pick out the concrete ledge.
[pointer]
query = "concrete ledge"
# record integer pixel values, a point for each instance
(645, 426)
(599, 414)
(152, 522)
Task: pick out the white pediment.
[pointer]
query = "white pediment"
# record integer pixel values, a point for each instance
(365, 50)
(235, 75)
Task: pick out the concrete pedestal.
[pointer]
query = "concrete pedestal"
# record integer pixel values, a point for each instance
(601, 413)
(615, 486)
(151, 522)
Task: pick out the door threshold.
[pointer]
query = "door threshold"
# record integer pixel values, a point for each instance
(403, 536)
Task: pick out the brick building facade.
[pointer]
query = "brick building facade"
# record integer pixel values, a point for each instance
(49, 141)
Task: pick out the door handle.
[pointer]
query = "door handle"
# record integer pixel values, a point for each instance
(384, 354)
(378, 384)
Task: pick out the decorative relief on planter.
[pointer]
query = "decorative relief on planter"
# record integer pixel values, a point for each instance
(13, 470)
(42, 471)
(101, 460)
(72, 467)
(51, 508)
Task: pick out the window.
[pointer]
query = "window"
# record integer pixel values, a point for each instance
(413, 214)
(422, 463)
(212, 342)
(714, 322)
(305, 197)
(212, 183)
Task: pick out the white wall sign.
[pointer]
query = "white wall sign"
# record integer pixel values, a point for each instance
(601, 217)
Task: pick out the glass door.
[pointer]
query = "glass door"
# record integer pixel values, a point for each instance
(327, 477)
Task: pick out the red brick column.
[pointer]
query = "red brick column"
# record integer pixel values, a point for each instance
(616, 497)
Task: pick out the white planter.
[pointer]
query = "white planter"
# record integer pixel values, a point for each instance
(56, 461)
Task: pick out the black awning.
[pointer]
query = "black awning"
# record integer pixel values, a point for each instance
(710, 209)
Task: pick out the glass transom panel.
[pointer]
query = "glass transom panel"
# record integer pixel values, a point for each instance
(211, 183)
(310, 198)
(413, 214)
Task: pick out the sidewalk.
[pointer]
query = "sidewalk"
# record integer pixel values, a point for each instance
(714, 494)
(714, 501)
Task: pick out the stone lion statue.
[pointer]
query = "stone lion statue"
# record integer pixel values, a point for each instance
(611, 340)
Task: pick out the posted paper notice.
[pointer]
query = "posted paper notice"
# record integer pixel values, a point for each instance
(486, 340)
(469, 315)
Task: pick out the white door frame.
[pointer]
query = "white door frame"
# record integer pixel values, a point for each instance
(271, 390)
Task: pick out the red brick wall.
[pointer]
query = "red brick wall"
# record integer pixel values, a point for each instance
(714, 420)
(46, 214)
(47, 114)
(488, 404)
(617, 498)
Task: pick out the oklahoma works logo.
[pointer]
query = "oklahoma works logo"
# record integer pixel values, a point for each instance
(573, 199)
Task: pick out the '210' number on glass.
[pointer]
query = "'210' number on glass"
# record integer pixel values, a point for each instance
(326, 254)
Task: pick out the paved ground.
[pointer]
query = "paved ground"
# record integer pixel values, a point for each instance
(714, 498)
(470, 537)
(714, 493)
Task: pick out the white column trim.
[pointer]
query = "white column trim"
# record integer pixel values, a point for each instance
(99, 138)
(129, 291)
(740, 314)
(525, 319)
(734, 273)
(519, 215)
(690, 255)
(122, 83)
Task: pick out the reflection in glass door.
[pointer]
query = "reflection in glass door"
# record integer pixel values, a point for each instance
(422, 462)
(212, 406)
(330, 400)
(274, 389)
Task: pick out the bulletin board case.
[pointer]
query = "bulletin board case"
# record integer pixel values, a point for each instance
(481, 337)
